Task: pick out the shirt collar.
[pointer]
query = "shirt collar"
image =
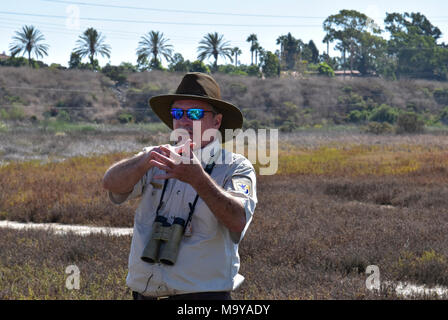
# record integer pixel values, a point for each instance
(209, 153)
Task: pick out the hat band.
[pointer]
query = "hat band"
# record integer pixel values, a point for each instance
(200, 94)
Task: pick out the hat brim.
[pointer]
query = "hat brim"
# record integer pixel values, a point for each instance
(232, 118)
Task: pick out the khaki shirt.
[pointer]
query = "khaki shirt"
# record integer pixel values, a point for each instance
(208, 260)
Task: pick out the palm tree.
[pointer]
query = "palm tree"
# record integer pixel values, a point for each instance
(290, 49)
(259, 53)
(281, 40)
(236, 52)
(154, 44)
(28, 40)
(214, 45)
(90, 43)
(253, 40)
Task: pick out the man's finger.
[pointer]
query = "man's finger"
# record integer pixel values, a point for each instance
(183, 147)
(164, 177)
(172, 154)
(157, 150)
(162, 159)
(161, 166)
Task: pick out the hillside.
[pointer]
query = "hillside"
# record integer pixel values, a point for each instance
(285, 103)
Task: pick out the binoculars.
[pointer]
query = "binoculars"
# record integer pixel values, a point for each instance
(163, 245)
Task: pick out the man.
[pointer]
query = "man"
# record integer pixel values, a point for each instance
(211, 191)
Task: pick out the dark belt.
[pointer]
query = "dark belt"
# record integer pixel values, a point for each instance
(213, 295)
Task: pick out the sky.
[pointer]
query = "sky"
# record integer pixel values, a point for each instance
(185, 23)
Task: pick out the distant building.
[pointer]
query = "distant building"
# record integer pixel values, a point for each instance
(3, 56)
(354, 73)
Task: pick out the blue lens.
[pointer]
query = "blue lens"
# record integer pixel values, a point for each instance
(177, 113)
(195, 114)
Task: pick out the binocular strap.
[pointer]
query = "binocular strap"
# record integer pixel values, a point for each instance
(208, 169)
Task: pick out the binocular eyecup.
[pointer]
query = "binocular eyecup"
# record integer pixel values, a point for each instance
(163, 245)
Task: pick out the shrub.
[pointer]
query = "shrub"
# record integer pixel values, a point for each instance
(253, 124)
(357, 116)
(441, 96)
(125, 118)
(253, 70)
(288, 126)
(409, 122)
(227, 68)
(14, 113)
(430, 268)
(57, 66)
(352, 101)
(199, 66)
(325, 69)
(444, 116)
(118, 73)
(384, 113)
(63, 116)
(378, 128)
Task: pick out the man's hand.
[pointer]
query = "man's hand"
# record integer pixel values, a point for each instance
(182, 164)
(178, 162)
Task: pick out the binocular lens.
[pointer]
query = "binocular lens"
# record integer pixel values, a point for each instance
(164, 243)
(169, 253)
(151, 251)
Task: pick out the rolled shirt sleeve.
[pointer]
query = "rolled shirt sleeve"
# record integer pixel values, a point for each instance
(241, 183)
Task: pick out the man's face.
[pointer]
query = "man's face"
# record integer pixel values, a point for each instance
(209, 121)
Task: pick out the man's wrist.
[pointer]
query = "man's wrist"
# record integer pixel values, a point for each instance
(143, 164)
(199, 180)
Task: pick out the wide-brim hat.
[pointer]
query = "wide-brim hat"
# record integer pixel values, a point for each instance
(198, 86)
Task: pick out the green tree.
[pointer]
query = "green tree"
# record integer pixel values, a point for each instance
(178, 64)
(152, 46)
(259, 53)
(271, 65)
(281, 41)
(91, 43)
(349, 28)
(236, 52)
(290, 49)
(413, 44)
(199, 66)
(252, 39)
(75, 61)
(29, 40)
(372, 54)
(314, 51)
(214, 45)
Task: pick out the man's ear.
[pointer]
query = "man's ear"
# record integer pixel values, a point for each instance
(217, 121)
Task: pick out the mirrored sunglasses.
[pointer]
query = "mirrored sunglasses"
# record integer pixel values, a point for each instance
(193, 114)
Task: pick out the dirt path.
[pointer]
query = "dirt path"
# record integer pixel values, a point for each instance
(64, 229)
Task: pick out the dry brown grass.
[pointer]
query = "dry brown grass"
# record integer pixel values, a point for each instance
(33, 264)
(312, 237)
(66, 192)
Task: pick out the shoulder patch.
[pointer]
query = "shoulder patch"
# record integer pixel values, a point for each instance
(243, 184)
